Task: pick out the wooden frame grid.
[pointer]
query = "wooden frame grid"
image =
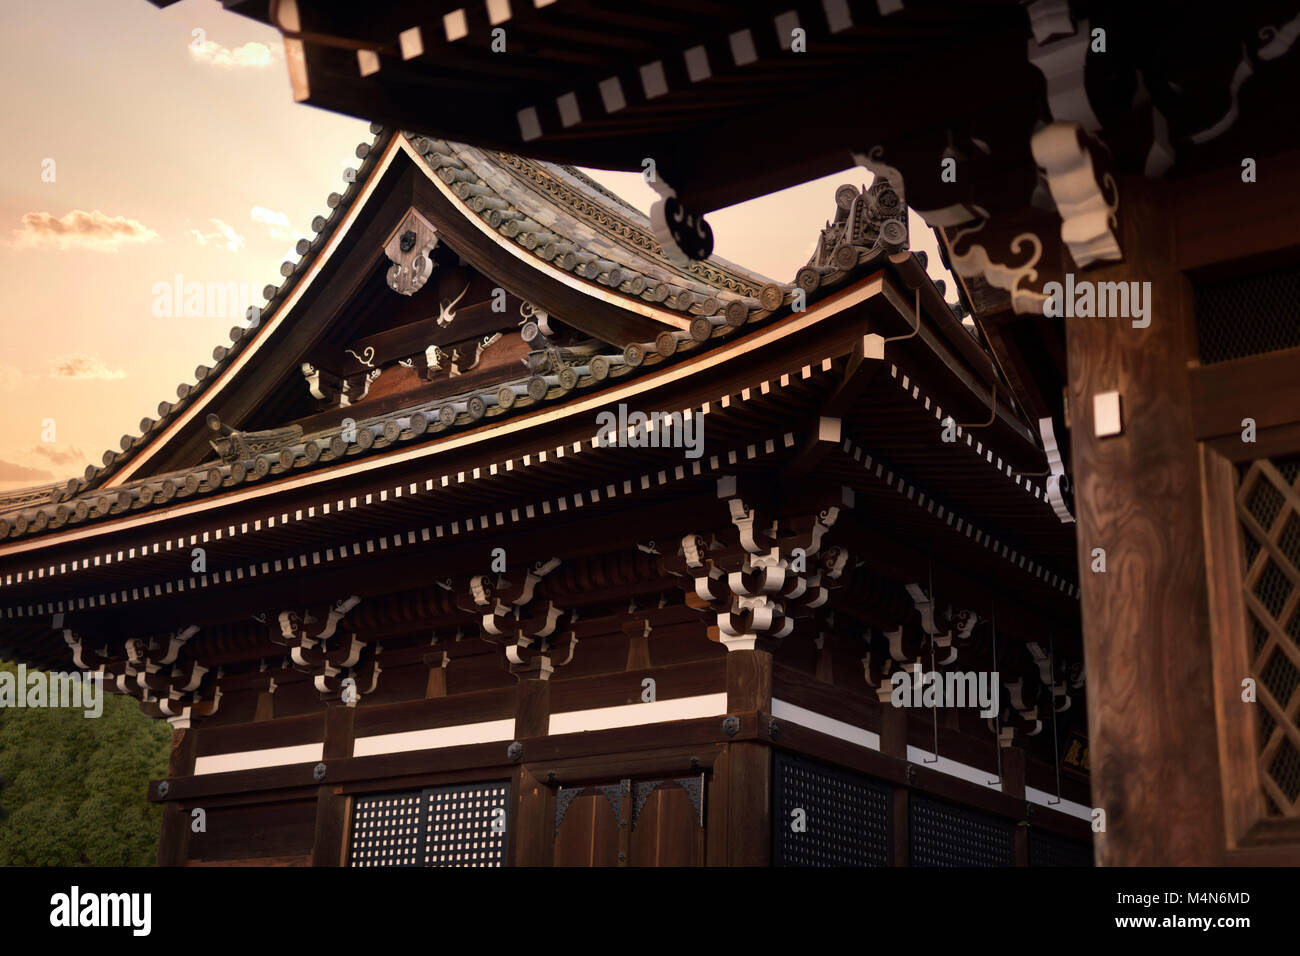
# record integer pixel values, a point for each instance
(1232, 580)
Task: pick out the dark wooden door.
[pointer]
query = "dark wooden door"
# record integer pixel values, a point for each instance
(641, 823)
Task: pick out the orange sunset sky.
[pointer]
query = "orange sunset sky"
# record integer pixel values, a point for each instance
(181, 154)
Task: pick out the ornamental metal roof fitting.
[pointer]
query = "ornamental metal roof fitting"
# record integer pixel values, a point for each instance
(873, 344)
(993, 413)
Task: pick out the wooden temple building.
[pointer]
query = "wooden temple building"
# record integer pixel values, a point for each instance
(436, 619)
(403, 604)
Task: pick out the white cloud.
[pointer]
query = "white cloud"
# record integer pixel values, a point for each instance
(21, 468)
(277, 223)
(225, 235)
(250, 54)
(84, 367)
(72, 456)
(80, 230)
(14, 473)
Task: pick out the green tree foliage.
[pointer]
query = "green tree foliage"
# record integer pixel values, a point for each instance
(72, 789)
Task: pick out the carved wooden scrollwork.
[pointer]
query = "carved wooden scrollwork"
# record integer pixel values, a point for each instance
(151, 671)
(780, 574)
(341, 664)
(514, 615)
(410, 248)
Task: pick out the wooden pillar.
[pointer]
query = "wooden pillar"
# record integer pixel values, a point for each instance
(174, 836)
(893, 743)
(638, 644)
(436, 685)
(740, 816)
(1013, 785)
(532, 817)
(1151, 722)
(330, 845)
(749, 681)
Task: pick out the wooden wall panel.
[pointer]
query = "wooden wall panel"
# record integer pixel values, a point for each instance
(612, 690)
(668, 831)
(438, 712)
(266, 830)
(259, 735)
(589, 833)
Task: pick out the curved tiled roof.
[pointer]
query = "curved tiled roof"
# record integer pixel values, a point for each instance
(586, 231)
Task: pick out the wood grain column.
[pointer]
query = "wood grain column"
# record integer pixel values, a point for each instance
(174, 836)
(893, 743)
(1013, 785)
(1155, 768)
(330, 845)
(740, 819)
(532, 817)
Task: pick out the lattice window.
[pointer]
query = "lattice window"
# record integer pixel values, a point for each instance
(1247, 315)
(1049, 849)
(943, 834)
(1268, 513)
(386, 830)
(441, 826)
(466, 825)
(848, 818)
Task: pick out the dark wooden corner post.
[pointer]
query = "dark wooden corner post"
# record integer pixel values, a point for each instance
(532, 818)
(1151, 720)
(174, 837)
(330, 845)
(893, 743)
(740, 810)
(1013, 785)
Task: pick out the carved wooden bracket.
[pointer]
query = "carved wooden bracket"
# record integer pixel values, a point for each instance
(513, 615)
(783, 573)
(150, 672)
(409, 247)
(341, 664)
(1088, 216)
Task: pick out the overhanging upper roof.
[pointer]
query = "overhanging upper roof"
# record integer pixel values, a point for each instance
(548, 233)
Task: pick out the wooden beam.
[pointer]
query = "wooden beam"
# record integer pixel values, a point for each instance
(1264, 388)
(1255, 227)
(827, 434)
(472, 321)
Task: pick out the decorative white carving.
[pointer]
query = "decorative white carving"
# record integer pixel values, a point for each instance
(1278, 42)
(312, 374)
(487, 342)
(447, 311)
(872, 161)
(976, 262)
(433, 356)
(1062, 63)
(1050, 18)
(1243, 72)
(1087, 217)
(1057, 482)
(367, 358)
